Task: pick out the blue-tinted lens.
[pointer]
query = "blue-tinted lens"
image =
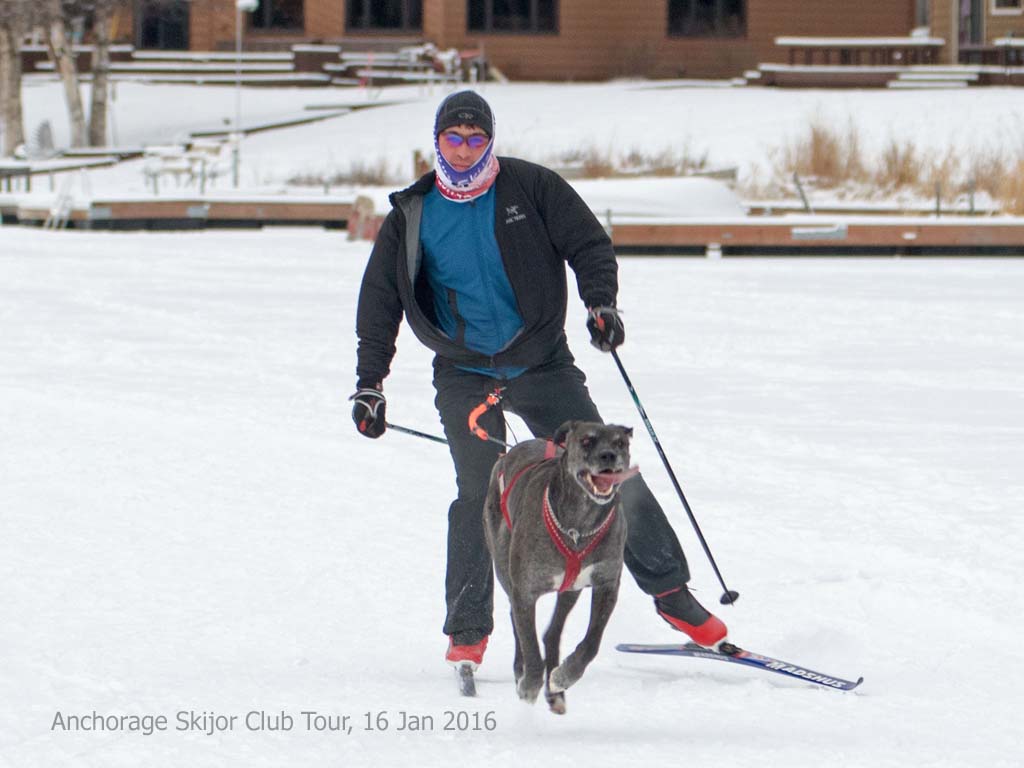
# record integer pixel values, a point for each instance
(455, 140)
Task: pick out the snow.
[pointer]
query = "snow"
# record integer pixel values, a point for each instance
(860, 42)
(191, 523)
(684, 197)
(741, 127)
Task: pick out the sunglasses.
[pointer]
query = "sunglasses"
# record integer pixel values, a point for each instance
(474, 142)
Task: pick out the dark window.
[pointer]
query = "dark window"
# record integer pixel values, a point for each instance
(707, 18)
(278, 14)
(385, 14)
(162, 24)
(512, 15)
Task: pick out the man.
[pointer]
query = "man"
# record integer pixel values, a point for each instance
(474, 256)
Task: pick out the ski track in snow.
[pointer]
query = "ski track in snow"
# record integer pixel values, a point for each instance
(190, 522)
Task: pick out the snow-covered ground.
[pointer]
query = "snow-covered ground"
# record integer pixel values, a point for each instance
(730, 127)
(190, 522)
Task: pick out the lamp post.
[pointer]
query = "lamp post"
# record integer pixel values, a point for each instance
(241, 6)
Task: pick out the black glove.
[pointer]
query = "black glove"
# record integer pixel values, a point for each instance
(605, 326)
(368, 411)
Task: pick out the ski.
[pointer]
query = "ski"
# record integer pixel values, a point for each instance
(736, 655)
(467, 684)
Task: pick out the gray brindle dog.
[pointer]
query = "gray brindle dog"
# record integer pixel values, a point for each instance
(552, 523)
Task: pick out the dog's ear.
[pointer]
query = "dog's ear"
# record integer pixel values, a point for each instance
(563, 432)
(629, 432)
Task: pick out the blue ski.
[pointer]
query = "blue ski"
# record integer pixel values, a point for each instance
(737, 655)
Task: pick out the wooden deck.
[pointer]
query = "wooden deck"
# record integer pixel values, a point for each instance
(767, 235)
(196, 212)
(828, 234)
(858, 51)
(836, 76)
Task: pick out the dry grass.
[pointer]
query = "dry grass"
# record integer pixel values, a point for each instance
(993, 172)
(376, 172)
(830, 158)
(825, 156)
(593, 163)
(666, 162)
(1011, 189)
(899, 166)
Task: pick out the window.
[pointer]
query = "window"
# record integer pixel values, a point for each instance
(1007, 6)
(527, 16)
(921, 13)
(707, 18)
(278, 14)
(406, 15)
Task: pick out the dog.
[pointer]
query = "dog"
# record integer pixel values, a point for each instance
(552, 522)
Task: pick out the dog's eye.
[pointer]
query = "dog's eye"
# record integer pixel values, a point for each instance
(587, 441)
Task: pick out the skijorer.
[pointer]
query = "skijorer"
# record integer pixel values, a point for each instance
(474, 256)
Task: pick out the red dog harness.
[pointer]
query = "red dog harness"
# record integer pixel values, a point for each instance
(550, 451)
(573, 558)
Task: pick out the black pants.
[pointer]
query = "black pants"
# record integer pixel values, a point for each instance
(544, 398)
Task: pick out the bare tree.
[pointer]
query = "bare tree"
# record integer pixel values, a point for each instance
(103, 16)
(56, 21)
(14, 23)
(55, 18)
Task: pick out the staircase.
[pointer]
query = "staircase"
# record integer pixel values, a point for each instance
(302, 65)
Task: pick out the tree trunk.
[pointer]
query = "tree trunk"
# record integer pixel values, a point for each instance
(10, 90)
(63, 60)
(100, 73)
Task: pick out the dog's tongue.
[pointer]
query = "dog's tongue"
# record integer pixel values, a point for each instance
(606, 480)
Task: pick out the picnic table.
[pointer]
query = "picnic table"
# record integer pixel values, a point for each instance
(855, 51)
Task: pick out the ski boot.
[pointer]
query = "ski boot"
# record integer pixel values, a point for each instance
(682, 612)
(465, 654)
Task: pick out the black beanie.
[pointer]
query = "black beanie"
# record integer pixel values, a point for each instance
(464, 108)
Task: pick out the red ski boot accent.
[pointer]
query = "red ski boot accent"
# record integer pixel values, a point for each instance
(709, 634)
(466, 654)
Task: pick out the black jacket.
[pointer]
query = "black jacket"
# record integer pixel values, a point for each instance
(540, 224)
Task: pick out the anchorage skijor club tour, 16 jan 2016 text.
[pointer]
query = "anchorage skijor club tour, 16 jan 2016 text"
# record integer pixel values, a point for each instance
(211, 723)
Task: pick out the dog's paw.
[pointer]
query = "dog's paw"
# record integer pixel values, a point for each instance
(556, 702)
(559, 680)
(528, 688)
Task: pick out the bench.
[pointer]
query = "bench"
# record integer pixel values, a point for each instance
(858, 51)
(1011, 50)
(9, 173)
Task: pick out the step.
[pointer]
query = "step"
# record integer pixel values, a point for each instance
(967, 77)
(200, 56)
(283, 79)
(909, 85)
(184, 68)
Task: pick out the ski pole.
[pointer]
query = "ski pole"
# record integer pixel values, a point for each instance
(434, 438)
(415, 433)
(729, 596)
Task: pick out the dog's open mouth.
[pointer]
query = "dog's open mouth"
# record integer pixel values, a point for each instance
(604, 484)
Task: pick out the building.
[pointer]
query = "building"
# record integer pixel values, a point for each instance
(577, 39)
